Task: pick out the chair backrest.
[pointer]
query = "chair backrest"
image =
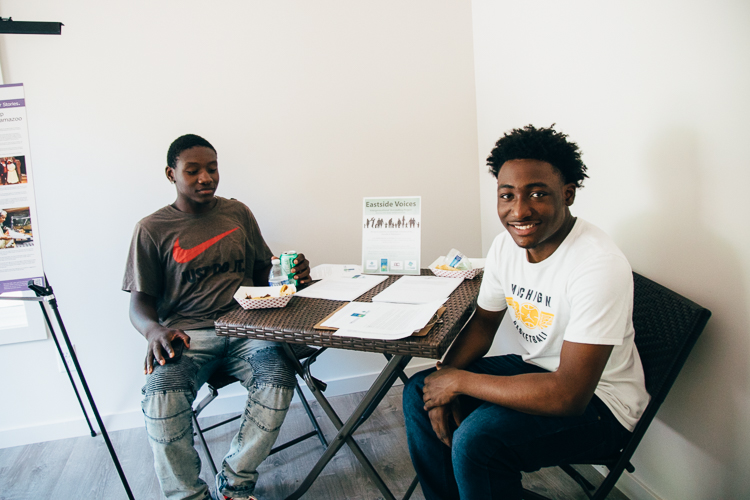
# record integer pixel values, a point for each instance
(667, 325)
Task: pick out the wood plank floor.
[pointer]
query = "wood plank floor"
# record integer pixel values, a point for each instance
(80, 468)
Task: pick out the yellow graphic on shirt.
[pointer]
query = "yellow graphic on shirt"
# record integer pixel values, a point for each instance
(545, 320)
(530, 315)
(513, 305)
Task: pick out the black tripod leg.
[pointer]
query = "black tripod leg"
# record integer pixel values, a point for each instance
(67, 369)
(53, 304)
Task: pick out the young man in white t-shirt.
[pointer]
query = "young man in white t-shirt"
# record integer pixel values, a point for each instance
(474, 423)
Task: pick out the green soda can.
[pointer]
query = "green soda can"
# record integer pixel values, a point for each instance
(287, 264)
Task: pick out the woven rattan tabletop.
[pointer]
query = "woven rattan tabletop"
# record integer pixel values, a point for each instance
(294, 323)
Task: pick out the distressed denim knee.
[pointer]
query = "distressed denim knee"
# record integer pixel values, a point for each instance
(270, 381)
(267, 406)
(168, 397)
(167, 408)
(270, 384)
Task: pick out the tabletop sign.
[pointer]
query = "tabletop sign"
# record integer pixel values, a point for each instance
(391, 235)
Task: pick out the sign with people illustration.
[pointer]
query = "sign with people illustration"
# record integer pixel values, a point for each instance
(391, 235)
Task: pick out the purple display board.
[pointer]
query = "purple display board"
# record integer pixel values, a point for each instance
(20, 253)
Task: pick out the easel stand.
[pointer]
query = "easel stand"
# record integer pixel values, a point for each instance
(45, 294)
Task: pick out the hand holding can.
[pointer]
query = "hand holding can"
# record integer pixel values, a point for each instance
(287, 264)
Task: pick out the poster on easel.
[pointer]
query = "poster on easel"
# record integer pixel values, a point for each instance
(391, 235)
(20, 253)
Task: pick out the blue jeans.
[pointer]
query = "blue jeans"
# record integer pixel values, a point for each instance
(494, 444)
(170, 391)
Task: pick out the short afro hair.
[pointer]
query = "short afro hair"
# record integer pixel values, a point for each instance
(182, 143)
(543, 144)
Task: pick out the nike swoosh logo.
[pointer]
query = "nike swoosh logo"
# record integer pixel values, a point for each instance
(183, 255)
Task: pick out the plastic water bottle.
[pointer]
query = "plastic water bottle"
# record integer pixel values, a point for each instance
(277, 276)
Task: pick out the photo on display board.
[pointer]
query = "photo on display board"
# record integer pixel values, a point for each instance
(15, 228)
(12, 170)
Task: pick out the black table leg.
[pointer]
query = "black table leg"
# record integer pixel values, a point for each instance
(372, 398)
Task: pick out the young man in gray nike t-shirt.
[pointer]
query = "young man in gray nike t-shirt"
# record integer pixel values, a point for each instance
(185, 263)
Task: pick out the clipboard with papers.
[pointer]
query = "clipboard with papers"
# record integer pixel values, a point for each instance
(408, 307)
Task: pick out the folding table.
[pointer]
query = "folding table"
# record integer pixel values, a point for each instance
(294, 323)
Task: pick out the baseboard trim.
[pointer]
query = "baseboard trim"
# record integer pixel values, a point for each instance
(228, 402)
(630, 486)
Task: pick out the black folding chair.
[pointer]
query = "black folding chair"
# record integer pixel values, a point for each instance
(219, 380)
(667, 325)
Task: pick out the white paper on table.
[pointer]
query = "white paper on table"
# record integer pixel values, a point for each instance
(351, 332)
(349, 314)
(382, 320)
(418, 290)
(341, 288)
(322, 271)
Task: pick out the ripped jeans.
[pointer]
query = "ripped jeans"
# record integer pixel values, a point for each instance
(170, 390)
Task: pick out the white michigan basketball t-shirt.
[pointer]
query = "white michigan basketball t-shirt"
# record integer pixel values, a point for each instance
(581, 293)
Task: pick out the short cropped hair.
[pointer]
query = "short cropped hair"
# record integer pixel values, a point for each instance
(182, 143)
(543, 144)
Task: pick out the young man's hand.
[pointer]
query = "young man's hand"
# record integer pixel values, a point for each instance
(441, 387)
(160, 347)
(301, 269)
(441, 418)
(445, 420)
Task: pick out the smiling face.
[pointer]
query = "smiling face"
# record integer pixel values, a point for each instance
(196, 177)
(532, 202)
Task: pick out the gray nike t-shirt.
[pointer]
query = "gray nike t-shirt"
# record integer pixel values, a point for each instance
(193, 263)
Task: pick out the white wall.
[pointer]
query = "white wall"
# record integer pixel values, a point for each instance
(657, 94)
(331, 100)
